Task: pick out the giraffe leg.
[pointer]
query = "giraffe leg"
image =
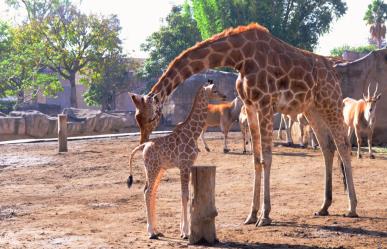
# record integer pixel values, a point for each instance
(328, 149)
(358, 139)
(265, 120)
(184, 177)
(255, 140)
(203, 140)
(369, 138)
(335, 124)
(153, 179)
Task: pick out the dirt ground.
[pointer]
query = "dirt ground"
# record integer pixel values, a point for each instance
(79, 199)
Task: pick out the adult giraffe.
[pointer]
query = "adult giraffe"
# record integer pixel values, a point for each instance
(274, 77)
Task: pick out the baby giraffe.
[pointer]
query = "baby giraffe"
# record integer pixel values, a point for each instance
(178, 149)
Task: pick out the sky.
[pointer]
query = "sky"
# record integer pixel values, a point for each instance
(141, 18)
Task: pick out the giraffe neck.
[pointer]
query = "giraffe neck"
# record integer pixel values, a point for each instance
(232, 48)
(198, 115)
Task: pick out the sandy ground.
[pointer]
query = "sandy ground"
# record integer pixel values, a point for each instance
(79, 199)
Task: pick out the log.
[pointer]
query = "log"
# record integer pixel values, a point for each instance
(62, 133)
(202, 205)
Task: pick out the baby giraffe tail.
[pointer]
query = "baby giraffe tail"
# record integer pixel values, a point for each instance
(130, 178)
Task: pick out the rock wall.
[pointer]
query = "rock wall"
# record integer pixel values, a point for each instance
(178, 105)
(34, 124)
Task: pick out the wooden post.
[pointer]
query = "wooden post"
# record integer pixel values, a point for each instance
(202, 204)
(62, 132)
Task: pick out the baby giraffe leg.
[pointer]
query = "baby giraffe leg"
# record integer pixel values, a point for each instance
(154, 177)
(184, 177)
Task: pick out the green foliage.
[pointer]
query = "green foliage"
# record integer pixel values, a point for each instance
(71, 40)
(376, 12)
(7, 106)
(338, 51)
(21, 64)
(298, 22)
(106, 79)
(178, 33)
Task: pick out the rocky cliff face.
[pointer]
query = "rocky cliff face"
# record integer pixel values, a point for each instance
(34, 124)
(179, 104)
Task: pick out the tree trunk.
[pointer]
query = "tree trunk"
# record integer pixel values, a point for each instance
(203, 210)
(73, 91)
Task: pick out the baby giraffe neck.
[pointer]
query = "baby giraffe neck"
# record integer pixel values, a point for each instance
(198, 115)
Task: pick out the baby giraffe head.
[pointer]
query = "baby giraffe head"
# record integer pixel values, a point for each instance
(148, 113)
(370, 101)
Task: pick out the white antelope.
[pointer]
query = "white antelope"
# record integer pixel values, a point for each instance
(304, 126)
(244, 126)
(359, 116)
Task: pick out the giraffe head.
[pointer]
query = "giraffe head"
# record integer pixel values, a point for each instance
(149, 109)
(370, 101)
(148, 113)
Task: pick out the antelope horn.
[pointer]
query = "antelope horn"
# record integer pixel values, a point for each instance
(376, 90)
(368, 90)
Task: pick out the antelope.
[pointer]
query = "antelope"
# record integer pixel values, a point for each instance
(222, 115)
(304, 126)
(359, 116)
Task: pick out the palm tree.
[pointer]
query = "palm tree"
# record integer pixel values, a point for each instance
(376, 16)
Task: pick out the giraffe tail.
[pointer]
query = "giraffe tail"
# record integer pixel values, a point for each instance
(340, 162)
(130, 178)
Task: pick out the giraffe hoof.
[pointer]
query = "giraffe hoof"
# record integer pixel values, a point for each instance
(351, 214)
(184, 236)
(160, 234)
(207, 149)
(321, 213)
(153, 236)
(244, 152)
(251, 219)
(359, 156)
(226, 150)
(372, 157)
(263, 222)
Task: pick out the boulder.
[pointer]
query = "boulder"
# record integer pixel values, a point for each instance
(37, 124)
(12, 126)
(178, 105)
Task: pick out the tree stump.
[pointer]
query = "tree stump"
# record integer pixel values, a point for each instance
(202, 205)
(62, 132)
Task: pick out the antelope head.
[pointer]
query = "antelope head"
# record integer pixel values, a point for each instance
(370, 101)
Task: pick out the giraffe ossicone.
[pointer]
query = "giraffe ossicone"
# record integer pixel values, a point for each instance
(273, 77)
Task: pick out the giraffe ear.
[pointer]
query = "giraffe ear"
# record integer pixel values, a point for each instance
(137, 99)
